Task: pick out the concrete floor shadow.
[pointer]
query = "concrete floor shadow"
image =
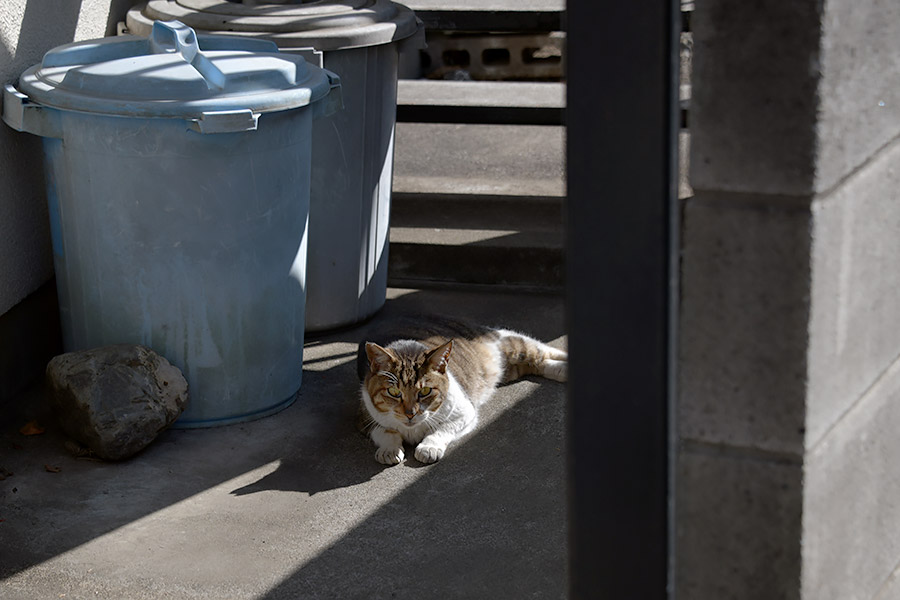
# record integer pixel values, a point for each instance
(487, 520)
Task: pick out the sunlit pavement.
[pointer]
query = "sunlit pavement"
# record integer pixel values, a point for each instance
(294, 505)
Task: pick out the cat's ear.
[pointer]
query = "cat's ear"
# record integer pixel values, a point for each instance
(379, 358)
(437, 359)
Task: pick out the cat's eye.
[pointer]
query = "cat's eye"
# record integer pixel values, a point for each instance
(425, 391)
(394, 391)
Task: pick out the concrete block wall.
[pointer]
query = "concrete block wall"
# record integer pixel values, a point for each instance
(789, 377)
(28, 28)
(851, 506)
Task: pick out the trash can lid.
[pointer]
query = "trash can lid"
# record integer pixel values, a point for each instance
(319, 24)
(173, 74)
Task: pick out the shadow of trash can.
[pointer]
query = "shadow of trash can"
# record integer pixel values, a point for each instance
(353, 162)
(177, 174)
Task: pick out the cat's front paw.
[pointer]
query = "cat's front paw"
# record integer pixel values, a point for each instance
(389, 456)
(426, 453)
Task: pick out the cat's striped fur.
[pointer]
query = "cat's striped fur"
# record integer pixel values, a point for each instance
(425, 386)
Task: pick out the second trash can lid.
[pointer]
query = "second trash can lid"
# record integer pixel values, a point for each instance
(173, 74)
(319, 24)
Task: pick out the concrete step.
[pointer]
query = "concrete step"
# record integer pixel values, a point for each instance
(504, 241)
(490, 15)
(477, 205)
(485, 102)
(494, 160)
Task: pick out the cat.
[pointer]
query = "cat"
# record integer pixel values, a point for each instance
(424, 388)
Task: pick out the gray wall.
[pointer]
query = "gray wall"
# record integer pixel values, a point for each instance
(28, 28)
(790, 324)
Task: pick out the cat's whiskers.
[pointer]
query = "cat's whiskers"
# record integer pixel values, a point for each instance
(390, 377)
(434, 421)
(368, 423)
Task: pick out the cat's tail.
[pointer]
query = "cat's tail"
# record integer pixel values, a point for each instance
(524, 355)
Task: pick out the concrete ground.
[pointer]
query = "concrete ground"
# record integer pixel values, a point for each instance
(294, 505)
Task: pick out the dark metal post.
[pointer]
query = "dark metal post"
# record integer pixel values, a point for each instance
(622, 120)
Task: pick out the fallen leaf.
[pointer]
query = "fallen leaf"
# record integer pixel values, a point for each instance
(52, 469)
(78, 451)
(31, 428)
(4, 474)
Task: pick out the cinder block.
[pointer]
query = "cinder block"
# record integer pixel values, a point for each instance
(860, 87)
(851, 509)
(754, 96)
(743, 323)
(737, 527)
(855, 289)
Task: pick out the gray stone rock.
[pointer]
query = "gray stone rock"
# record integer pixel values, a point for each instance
(116, 399)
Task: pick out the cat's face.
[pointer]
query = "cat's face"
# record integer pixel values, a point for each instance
(406, 386)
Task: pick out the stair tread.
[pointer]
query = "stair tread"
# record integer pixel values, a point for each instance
(490, 15)
(473, 264)
(505, 94)
(510, 238)
(462, 212)
(496, 102)
(503, 160)
(487, 5)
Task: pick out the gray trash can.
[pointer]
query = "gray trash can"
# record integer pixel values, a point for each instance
(353, 161)
(178, 181)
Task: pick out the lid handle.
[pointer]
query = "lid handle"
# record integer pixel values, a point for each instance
(175, 37)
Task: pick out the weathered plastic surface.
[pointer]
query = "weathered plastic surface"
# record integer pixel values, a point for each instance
(169, 75)
(324, 25)
(352, 159)
(191, 243)
(350, 203)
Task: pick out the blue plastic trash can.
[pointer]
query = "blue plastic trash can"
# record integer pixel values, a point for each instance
(178, 178)
(350, 198)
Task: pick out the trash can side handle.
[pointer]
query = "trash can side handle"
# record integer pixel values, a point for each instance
(225, 121)
(334, 101)
(20, 113)
(416, 41)
(334, 80)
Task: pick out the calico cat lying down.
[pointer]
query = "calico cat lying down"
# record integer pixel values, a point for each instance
(425, 387)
